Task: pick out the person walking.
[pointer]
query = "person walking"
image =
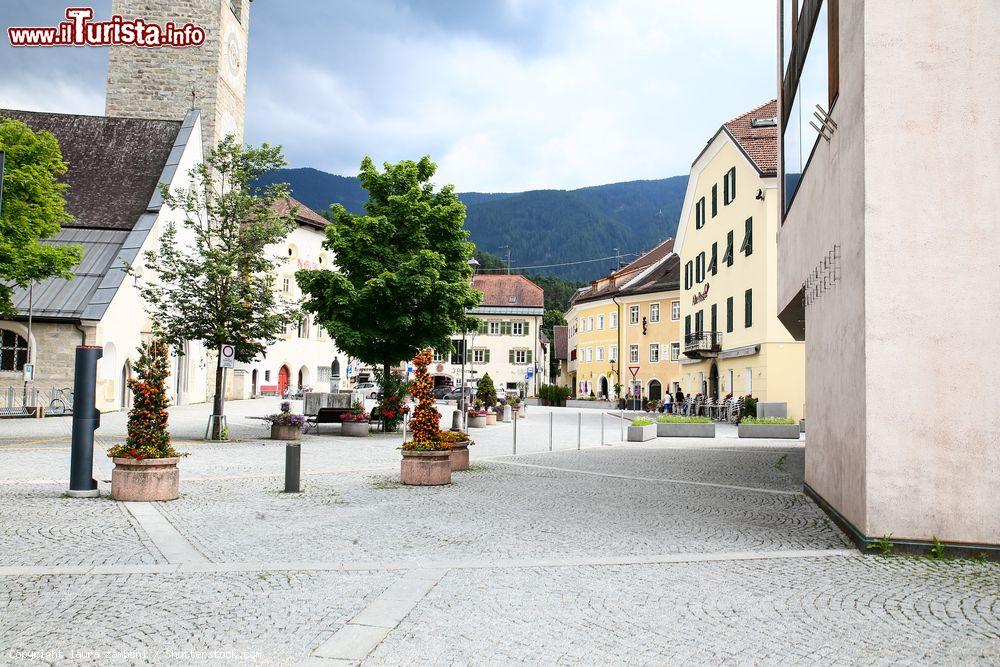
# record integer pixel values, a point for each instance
(679, 400)
(665, 405)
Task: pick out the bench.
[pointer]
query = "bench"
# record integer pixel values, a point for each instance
(325, 416)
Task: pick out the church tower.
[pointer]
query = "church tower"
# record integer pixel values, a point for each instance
(164, 83)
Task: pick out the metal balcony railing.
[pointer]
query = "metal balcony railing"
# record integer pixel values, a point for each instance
(703, 344)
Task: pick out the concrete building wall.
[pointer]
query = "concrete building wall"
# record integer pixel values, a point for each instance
(902, 432)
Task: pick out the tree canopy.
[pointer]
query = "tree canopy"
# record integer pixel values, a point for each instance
(33, 209)
(403, 282)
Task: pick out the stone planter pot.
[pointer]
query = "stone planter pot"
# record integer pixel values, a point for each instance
(146, 480)
(506, 414)
(641, 433)
(680, 430)
(491, 419)
(426, 468)
(459, 456)
(354, 429)
(775, 431)
(477, 421)
(285, 432)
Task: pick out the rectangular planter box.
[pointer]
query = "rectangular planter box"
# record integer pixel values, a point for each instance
(678, 430)
(786, 431)
(641, 433)
(354, 429)
(596, 405)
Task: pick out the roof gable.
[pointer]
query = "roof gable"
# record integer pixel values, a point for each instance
(503, 290)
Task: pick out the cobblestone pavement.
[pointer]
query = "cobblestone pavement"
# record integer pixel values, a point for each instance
(652, 553)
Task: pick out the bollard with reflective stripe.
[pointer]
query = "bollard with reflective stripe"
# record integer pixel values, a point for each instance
(293, 468)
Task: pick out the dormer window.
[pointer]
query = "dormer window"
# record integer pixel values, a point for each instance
(512, 299)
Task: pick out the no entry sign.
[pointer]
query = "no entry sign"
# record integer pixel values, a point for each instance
(227, 356)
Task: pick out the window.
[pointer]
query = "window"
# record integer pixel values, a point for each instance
(729, 315)
(715, 199)
(699, 267)
(728, 257)
(747, 247)
(675, 351)
(505, 328)
(748, 308)
(512, 298)
(687, 325)
(688, 275)
(494, 329)
(480, 355)
(323, 374)
(714, 262)
(519, 328)
(13, 351)
(590, 354)
(459, 350)
(699, 322)
(303, 331)
(614, 320)
(747, 380)
(654, 353)
(714, 317)
(699, 214)
(810, 78)
(438, 357)
(600, 322)
(520, 356)
(633, 314)
(286, 285)
(654, 312)
(633, 354)
(590, 324)
(612, 353)
(729, 187)
(600, 354)
(483, 327)
(675, 310)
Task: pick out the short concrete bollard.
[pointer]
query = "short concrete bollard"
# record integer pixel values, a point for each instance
(293, 468)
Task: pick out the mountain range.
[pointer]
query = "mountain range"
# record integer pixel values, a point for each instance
(539, 227)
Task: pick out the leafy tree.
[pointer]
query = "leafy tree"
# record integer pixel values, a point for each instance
(215, 281)
(33, 209)
(486, 392)
(403, 279)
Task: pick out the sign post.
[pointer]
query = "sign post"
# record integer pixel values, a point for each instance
(634, 370)
(227, 359)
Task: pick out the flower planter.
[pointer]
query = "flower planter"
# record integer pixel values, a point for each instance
(641, 433)
(285, 432)
(459, 455)
(354, 429)
(685, 430)
(477, 421)
(491, 419)
(774, 431)
(426, 468)
(145, 480)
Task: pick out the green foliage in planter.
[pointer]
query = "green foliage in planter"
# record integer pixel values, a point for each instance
(486, 392)
(642, 421)
(767, 420)
(681, 419)
(553, 394)
(749, 408)
(147, 420)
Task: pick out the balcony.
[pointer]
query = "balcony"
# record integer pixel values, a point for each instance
(703, 344)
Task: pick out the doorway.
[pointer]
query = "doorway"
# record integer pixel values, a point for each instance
(655, 390)
(713, 381)
(253, 383)
(604, 387)
(283, 377)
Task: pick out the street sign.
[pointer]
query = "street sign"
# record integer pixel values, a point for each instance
(633, 370)
(29, 372)
(409, 368)
(227, 356)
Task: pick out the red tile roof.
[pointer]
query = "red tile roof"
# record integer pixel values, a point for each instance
(612, 283)
(561, 344)
(304, 215)
(498, 289)
(759, 143)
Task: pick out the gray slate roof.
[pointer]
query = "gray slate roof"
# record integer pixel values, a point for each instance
(115, 166)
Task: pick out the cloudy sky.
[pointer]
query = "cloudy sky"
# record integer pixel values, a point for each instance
(503, 94)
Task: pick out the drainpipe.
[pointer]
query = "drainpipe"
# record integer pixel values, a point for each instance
(83, 332)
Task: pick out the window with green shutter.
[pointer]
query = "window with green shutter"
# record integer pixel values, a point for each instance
(483, 327)
(528, 356)
(505, 328)
(729, 187)
(699, 322)
(748, 308)
(715, 321)
(747, 247)
(728, 258)
(714, 262)
(511, 359)
(526, 328)
(715, 199)
(699, 214)
(688, 275)
(729, 315)
(687, 325)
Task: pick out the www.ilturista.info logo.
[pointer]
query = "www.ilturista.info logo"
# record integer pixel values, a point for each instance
(80, 30)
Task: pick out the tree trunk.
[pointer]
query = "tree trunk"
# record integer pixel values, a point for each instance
(217, 403)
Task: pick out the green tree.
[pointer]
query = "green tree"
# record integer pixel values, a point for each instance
(403, 279)
(33, 208)
(215, 281)
(486, 392)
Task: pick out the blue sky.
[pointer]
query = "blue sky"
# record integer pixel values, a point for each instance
(504, 95)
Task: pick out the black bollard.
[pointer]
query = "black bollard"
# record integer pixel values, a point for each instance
(86, 420)
(293, 468)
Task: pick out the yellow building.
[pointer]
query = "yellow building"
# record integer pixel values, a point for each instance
(628, 319)
(733, 341)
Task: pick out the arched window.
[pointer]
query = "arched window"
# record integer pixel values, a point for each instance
(13, 351)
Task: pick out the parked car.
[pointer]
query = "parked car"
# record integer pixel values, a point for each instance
(368, 389)
(440, 392)
(456, 393)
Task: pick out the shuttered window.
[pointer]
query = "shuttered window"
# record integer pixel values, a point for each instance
(699, 321)
(728, 257)
(748, 308)
(713, 264)
(729, 187)
(688, 275)
(715, 199)
(729, 315)
(687, 325)
(747, 247)
(699, 214)
(715, 318)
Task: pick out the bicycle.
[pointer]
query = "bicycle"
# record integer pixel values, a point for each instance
(61, 403)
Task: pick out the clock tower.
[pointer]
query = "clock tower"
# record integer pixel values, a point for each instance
(164, 83)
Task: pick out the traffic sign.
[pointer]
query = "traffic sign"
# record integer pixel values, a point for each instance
(227, 356)
(633, 370)
(29, 372)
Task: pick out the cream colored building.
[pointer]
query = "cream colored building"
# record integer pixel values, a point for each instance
(887, 251)
(628, 319)
(733, 341)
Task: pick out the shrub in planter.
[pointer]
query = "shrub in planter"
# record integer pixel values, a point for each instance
(355, 422)
(641, 430)
(146, 464)
(486, 393)
(285, 425)
(392, 407)
(768, 427)
(680, 426)
(427, 457)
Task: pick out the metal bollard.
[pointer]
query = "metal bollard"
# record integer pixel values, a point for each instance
(550, 430)
(621, 426)
(602, 428)
(86, 420)
(515, 432)
(579, 429)
(293, 468)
